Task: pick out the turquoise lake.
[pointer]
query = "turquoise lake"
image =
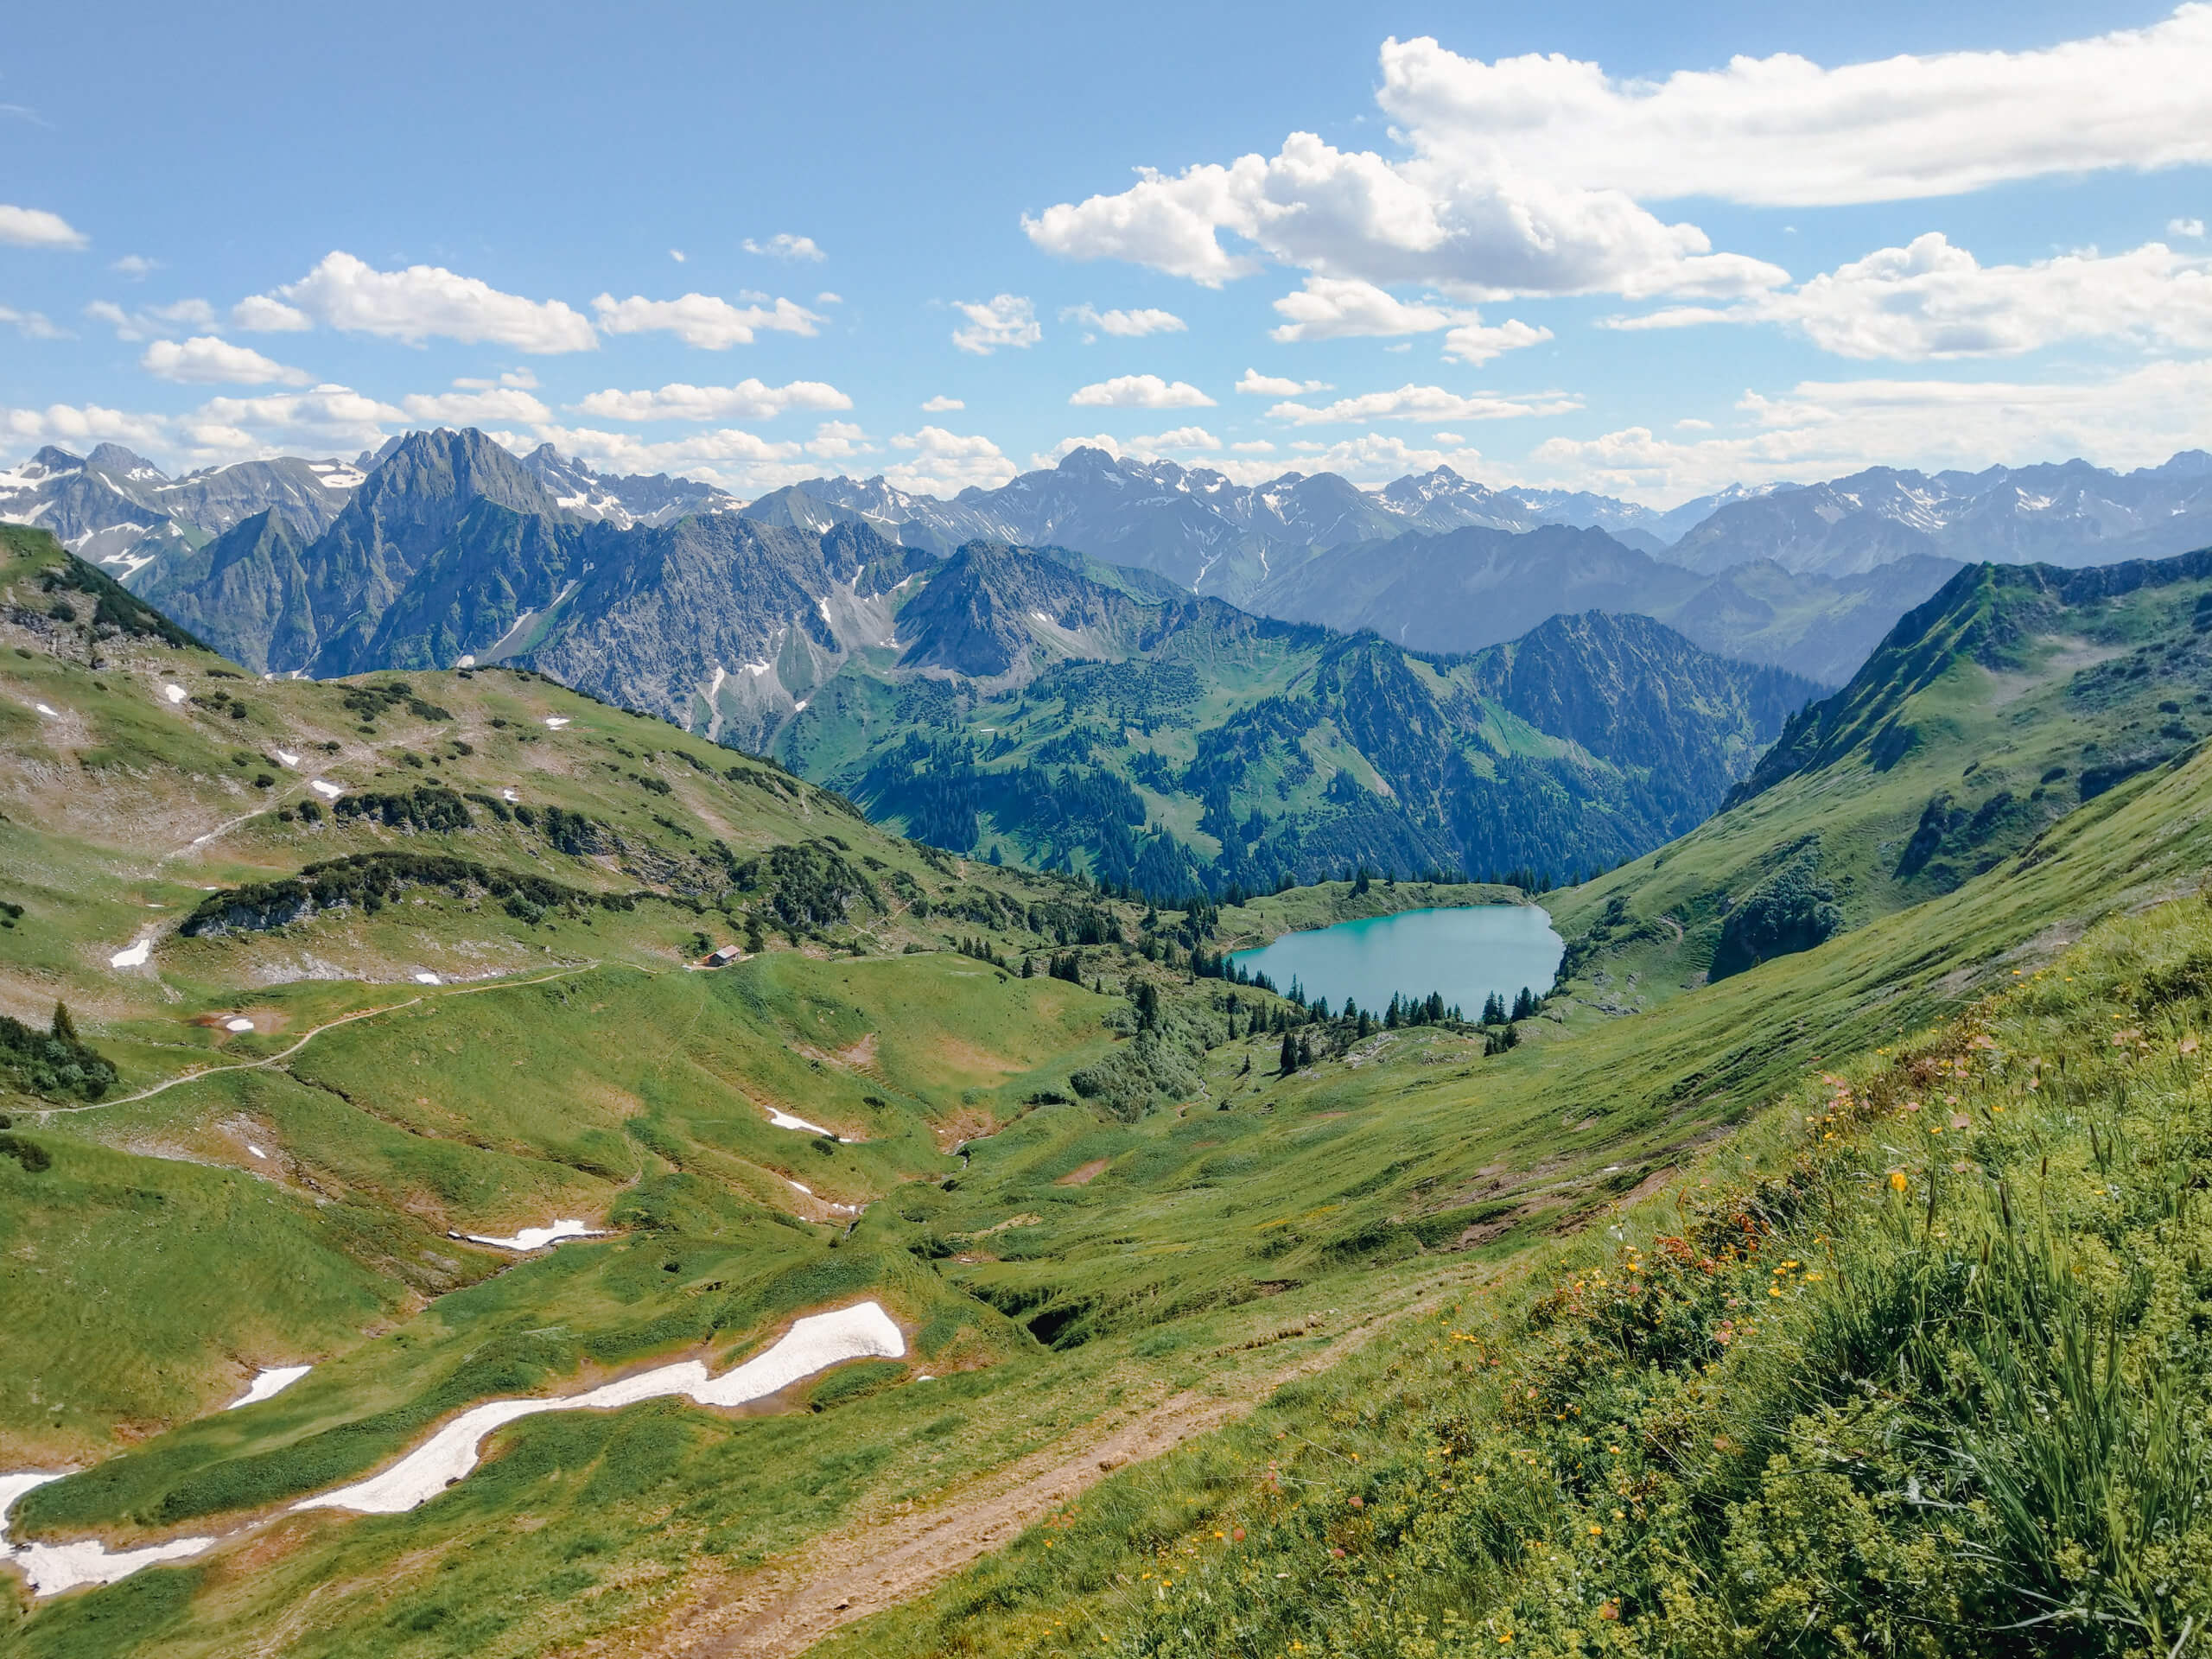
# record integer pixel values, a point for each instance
(1465, 953)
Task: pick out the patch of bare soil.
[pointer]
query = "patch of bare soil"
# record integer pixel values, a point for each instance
(1084, 1174)
(787, 1607)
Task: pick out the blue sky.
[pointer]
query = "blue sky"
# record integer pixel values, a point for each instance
(1926, 236)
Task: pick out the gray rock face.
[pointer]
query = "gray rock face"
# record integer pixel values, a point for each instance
(2071, 514)
(622, 501)
(117, 509)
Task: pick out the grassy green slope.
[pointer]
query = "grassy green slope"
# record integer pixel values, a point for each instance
(1989, 716)
(1083, 1265)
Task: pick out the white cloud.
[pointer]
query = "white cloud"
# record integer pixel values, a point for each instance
(1932, 300)
(702, 320)
(678, 254)
(784, 246)
(2189, 227)
(1785, 130)
(519, 378)
(1338, 308)
(1183, 438)
(1368, 458)
(322, 419)
(941, 404)
(205, 361)
(135, 265)
(1140, 391)
(730, 457)
(1475, 343)
(149, 321)
(825, 297)
(484, 407)
(1531, 174)
(1256, 384)
(1412, 402)
(34, 227)
(259, 315)
(426, 301)
(1475, 231)
(944, 463)
(839, 441)
(33, 325)
(748, 400)
(1006, 319)
(1123, 325)
(77, 425)
(1825, 429)
(1691, 424)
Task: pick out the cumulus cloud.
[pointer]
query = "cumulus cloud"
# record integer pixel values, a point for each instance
(941, 404)
(1532, 176)
(2189, 227)
(424, 302)
(321, 420)
(1933, 300)
(1369, 459)
(484, 406)
(839, 441)
(1338, 308)
(257, 313)
(1478, 231)
(1181, 439)
(729, 457)
(77, 425)
(944, 463)
(1475, 343)
(703, 320)
(1784, 131)
(1412, 402)
(1821, 428)
(1007, 320)
(784, 246)
(1140, 391)
(748, 400)
(1256, 384)
(1123, 325)
(135, 265)
(34, 227)
(205, 360)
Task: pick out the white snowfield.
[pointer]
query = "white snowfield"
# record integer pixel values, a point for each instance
(51, 714)
(133, 956)
(428, 978)
(812, 1344)
(52, 1569)
(175, 693)
(328, 789)
(784, 1120)
(270, 1380)
(536, 1238)
(238, 1022)
(286, 756)
(557, 721)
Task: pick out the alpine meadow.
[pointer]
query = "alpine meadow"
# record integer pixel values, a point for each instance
(1290, 836)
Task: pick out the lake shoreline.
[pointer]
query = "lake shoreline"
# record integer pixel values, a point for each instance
(1261, 921)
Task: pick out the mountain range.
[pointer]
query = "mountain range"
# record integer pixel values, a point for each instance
(1806, 577)
(1041, 702)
